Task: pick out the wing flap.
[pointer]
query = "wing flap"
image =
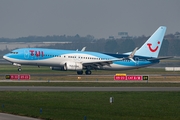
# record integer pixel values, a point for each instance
(97, 64)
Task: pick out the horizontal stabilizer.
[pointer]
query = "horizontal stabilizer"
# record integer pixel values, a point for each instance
(161, 58)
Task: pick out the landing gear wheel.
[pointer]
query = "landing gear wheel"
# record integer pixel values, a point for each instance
(19, 69)
(88, 72)
(79, 72)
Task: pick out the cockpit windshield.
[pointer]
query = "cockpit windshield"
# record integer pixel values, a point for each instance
(14, 52)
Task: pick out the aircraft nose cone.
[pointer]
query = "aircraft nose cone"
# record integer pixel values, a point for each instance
(5, 57)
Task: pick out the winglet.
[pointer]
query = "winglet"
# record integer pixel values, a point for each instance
(132, 54)
(83, 49)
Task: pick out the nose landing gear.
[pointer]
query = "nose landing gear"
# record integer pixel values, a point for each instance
(19, 66)
(19, 69)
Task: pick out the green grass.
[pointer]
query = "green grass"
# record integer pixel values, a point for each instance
(93, 105)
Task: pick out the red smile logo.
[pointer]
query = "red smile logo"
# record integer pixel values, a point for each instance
(151, 49)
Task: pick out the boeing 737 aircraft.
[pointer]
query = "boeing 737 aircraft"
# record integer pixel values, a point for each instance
(79, 60)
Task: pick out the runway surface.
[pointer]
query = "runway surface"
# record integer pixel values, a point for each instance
(4, 116)
(50, 89)
(93, 75)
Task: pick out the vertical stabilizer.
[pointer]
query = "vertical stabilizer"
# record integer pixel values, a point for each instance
(152, 46)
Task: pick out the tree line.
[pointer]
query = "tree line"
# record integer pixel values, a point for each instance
(170, 46)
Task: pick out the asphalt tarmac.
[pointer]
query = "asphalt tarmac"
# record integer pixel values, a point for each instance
(4, 116)
(50, 89)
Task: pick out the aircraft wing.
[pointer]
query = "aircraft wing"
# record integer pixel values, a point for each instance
(99, 64)
(95, 65)
(108, 62)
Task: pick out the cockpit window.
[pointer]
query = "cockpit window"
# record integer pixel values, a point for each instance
(14, 52)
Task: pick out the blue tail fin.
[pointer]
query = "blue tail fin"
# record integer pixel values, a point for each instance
(152, 46)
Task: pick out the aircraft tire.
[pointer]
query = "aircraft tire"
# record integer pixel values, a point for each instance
(19, 69)
(79, 72)
(88, 72)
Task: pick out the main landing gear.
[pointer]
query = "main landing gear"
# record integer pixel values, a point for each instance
(80, 72)
(87, 72)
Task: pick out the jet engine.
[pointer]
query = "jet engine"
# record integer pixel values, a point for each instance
(73, 66)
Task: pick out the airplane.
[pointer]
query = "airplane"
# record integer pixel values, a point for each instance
(75, 60)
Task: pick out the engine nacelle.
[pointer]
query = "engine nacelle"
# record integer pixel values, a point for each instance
(73, 66)
(57, 68)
